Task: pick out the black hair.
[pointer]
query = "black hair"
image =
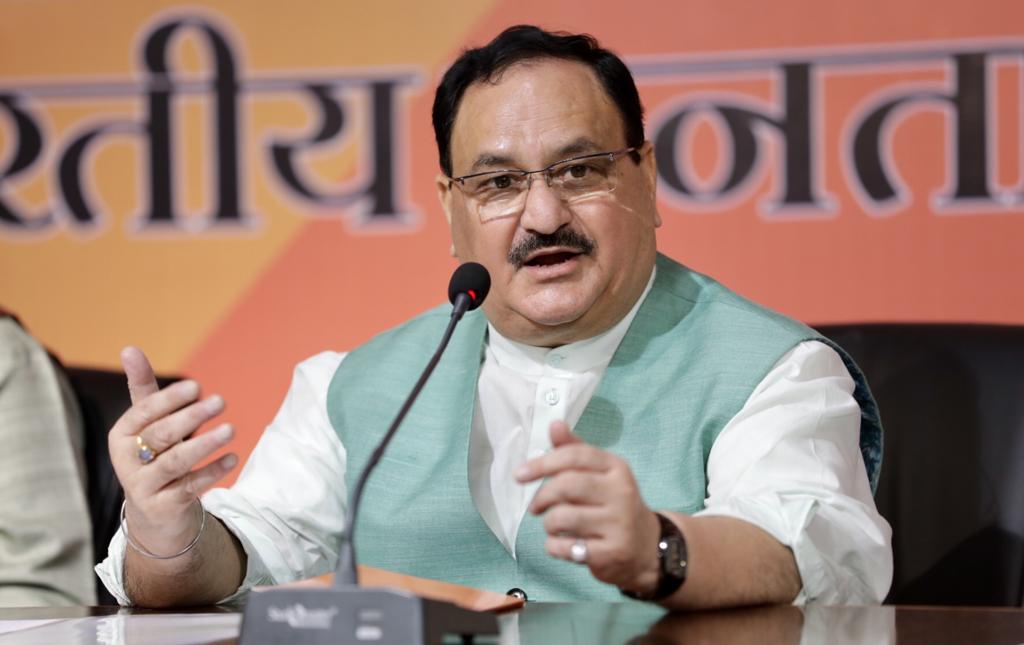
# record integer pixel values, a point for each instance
(527, 42)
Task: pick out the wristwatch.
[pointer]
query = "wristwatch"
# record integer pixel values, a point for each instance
(672, 562)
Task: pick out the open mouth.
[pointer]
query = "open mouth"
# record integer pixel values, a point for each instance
(550, 250)
(549, 259)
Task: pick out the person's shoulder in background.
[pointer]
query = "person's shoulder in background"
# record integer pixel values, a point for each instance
(46, 549)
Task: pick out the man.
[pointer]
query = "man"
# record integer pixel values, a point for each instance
(618, 378)
(45, 532)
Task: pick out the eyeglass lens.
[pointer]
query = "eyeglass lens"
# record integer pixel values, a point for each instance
(503, 193)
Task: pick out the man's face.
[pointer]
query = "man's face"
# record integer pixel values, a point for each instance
(560, 272)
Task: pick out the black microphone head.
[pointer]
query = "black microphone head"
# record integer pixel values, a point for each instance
(471, 279)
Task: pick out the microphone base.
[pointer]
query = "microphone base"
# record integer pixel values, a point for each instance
(348, 615)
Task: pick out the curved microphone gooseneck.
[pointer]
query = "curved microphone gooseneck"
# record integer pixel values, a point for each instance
(466, 291)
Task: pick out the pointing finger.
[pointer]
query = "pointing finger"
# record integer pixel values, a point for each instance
(155, 407)
(176, 426)
(561, 434)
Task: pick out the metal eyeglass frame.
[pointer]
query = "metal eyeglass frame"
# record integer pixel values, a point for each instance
(612, 154)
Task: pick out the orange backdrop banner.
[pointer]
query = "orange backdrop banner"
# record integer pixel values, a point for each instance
(235, 186)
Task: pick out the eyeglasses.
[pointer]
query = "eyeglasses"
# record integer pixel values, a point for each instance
(502, 193)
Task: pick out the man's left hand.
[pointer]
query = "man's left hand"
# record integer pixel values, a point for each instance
(591, 494)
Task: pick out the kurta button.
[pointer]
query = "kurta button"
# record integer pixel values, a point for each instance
(516, 592)
(551, 397)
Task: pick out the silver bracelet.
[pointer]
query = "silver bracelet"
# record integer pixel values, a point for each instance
(140, 549)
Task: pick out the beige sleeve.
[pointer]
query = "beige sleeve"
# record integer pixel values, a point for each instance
(46, 548)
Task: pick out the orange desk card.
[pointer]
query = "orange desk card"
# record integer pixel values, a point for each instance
(465, 597)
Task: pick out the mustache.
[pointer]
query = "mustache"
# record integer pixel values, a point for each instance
(563, 237)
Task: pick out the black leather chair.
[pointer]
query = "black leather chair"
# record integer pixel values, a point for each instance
(102, 397)
(952, 484)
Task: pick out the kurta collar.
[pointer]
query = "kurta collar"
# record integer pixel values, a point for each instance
(580, 356)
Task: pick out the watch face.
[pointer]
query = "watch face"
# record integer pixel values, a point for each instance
(674, 562)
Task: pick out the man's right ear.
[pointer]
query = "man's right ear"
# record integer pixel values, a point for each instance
(444, 195)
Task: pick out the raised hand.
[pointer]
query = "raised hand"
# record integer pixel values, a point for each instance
(161, 486)
(593, 512)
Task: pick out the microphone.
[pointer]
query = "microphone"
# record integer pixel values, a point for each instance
(467, 289)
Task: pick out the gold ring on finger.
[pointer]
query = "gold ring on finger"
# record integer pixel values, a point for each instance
(145, 452)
